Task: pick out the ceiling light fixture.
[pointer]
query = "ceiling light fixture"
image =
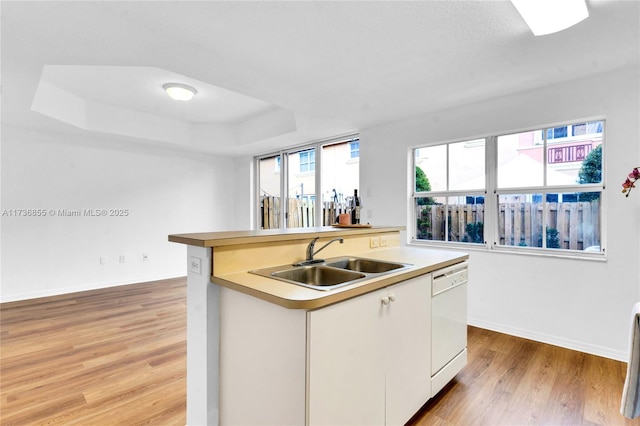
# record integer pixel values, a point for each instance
(179, 92)
(550, 16)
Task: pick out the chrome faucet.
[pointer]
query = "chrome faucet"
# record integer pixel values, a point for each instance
(310, 251)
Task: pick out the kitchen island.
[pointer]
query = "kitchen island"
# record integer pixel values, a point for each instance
(262, 351)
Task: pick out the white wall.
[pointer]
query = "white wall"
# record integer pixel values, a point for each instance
(245, 202)
(165, 192)
(578, 304)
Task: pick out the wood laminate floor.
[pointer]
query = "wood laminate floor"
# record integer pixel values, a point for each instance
(514, 381)
(117, 357)
(107, 357)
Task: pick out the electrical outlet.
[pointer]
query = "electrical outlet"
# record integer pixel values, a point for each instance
(195, 265)
(121, 258)
(145, 257)
(384, 241)
(103, 260)
(374, 242)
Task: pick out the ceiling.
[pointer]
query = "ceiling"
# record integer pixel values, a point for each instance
(275, 74)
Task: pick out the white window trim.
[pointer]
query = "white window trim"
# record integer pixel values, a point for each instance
(491, 193)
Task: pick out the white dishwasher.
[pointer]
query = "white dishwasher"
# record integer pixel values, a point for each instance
(448, 324)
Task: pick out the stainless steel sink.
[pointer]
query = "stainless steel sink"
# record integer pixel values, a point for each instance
(334, 273)
(370, 266)
(318, 275)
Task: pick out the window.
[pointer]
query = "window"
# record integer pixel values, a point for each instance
(545, 195)
(293, 173)
(557, 132)
(569, 132)
(449, 188)
(549, 197)
(269, 178)
(308, 161)
(581, 129)
(339, 178)
(301, 189)
(354, 149)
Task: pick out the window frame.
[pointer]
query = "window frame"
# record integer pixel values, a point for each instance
(492, 195)
(284, 154)
(446, 193)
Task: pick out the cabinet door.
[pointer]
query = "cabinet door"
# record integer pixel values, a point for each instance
(408, 348)
(346, 363)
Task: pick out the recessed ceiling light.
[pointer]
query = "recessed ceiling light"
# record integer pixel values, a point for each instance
(550, 16)
(179, 92)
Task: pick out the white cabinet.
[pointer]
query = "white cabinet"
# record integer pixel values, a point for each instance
(408, 347)
(262, 362)
(369, 358)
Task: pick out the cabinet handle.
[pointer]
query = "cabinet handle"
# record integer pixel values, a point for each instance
(392, 297)
(385, 300)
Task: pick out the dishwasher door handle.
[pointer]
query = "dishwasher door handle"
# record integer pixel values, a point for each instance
(445, 281)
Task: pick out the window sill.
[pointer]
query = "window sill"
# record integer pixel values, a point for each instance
(550, 253)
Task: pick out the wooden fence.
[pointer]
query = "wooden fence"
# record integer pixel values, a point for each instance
(570, 225)
(270, 212)
(301, 214)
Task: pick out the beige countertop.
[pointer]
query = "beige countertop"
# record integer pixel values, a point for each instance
(226, 238)
(293, 296)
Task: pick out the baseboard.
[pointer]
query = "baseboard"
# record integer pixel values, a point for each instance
(552, 340)
(91, 286)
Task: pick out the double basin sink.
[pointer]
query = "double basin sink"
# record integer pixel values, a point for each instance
(332, 273)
